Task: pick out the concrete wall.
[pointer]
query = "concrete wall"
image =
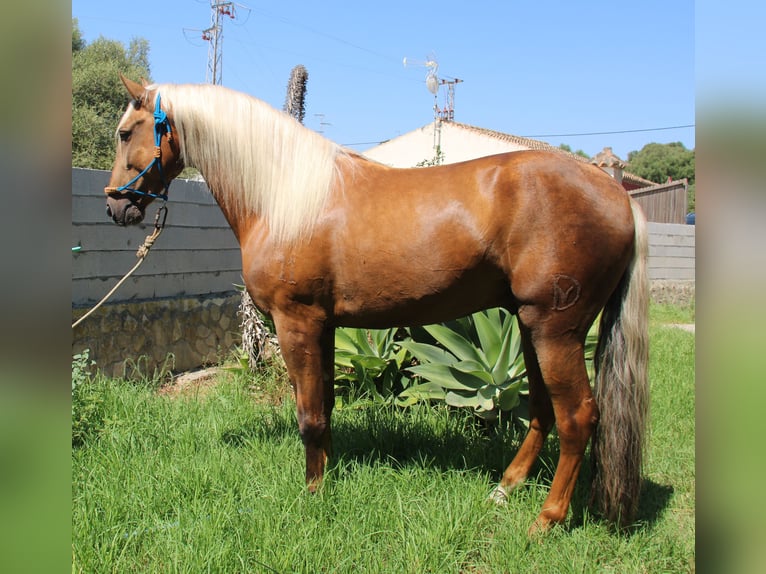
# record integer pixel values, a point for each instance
(671, 252)
(182, 301)
(196, 254)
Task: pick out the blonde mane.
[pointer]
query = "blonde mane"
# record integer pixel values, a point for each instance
(256, 160)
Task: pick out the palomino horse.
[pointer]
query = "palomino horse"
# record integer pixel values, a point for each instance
(330, 239)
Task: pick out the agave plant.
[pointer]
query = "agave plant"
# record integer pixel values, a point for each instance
(477, 362)
(369, 362)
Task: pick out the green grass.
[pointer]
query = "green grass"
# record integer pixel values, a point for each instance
(214, 483)
(666, 313)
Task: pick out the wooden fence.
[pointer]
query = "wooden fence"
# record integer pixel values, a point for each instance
(664, 203)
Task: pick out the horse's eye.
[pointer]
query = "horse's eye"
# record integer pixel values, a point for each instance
(124, 136)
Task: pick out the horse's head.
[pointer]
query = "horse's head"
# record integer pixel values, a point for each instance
(147, 159)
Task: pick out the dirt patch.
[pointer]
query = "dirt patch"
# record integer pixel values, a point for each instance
(684, 326)
(192, 383)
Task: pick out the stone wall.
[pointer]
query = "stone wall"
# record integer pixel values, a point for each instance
(174, 334)
(680, 293)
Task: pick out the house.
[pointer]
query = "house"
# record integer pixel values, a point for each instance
(663, 203)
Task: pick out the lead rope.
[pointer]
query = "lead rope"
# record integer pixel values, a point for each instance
(142, 252)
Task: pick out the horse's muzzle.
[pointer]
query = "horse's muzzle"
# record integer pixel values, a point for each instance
(130, 215)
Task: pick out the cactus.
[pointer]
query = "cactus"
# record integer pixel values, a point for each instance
(295, 100)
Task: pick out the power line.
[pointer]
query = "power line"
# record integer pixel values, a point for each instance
(561, 135)
(365, 143)
(609, 133)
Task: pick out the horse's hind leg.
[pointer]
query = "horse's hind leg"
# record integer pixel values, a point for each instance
(541, 421)
(562, 365)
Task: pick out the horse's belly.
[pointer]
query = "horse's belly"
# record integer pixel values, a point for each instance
(420, 298)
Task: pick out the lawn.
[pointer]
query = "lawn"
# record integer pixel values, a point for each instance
(212, 481)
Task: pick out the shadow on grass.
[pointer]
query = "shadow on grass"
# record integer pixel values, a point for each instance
(654, 500)
(400, 438)
(264, 425)
(443, 440)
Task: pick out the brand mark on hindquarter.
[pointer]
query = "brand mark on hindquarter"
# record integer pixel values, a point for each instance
(566, 292)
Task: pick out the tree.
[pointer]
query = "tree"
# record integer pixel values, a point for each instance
(77, 42)
(658, 162)
(566, 147)
(98, 96)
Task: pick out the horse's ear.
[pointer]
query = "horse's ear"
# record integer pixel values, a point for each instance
(135, 89)
(144, 83)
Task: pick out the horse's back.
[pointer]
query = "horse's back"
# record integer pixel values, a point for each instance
(506, 230)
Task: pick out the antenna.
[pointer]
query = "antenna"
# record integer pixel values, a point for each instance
(447, 113)
(433, 83)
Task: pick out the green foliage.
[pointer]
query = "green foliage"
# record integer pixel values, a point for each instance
(438, 159)
(658, 162)
(477, 363)
(98, 96)
(87, 403)
(77, 41)
(566, 147)
(368, 365)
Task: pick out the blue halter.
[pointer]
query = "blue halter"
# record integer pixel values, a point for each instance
(161, 127)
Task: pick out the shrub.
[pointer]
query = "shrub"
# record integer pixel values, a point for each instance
(87, 403)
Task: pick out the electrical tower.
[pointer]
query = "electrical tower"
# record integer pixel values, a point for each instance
(214, 35)
(219, 10)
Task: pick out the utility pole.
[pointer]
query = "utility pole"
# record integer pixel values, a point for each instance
(214, 35)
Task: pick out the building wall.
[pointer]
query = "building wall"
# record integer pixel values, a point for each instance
(457, 144)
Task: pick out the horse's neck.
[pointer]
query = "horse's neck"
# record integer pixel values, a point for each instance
(223, 199)
(221, 187)
(266, 168)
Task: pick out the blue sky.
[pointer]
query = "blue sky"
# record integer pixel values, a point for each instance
(540, 69)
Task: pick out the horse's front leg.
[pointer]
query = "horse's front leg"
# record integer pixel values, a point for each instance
(308, 348)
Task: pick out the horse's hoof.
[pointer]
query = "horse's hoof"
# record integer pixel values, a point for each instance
(540, 527)
(499, 496)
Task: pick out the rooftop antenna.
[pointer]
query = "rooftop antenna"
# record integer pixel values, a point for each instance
(445, 113)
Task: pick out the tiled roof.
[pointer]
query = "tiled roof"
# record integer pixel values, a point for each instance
(530, 143)
(606, 158)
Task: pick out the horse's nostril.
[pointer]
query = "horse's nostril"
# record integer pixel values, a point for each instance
(108, 211)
